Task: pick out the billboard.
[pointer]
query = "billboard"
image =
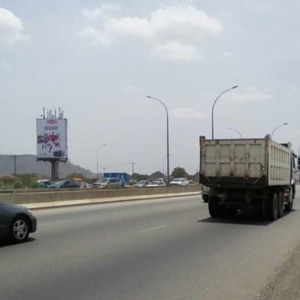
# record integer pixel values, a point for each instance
(52, 139)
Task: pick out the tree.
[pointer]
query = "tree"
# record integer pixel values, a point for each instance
(34, 185)
(7, 180)
(27, 178)
(76, 175)
(179, 172)
(18, 184)
(138, 177)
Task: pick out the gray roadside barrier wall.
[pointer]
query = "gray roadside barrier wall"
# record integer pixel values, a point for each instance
(81, 194)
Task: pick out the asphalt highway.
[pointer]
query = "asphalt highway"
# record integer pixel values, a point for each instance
(164, 249)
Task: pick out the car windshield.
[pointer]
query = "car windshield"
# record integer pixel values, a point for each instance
(177, 179)
(155, 182)
(142, 181)
(57, 183)
(104, 180)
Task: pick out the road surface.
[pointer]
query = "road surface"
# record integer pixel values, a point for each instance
(164, 249)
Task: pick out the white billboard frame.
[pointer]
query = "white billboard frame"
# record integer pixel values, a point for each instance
(52, 141)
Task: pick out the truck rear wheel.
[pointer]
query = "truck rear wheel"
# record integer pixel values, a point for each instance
(214, 208)
(280, 205)
(230, 212)
(260, 208)
(272, 207)
(289, 206)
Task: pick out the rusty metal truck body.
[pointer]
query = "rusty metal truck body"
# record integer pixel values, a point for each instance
(248, 174)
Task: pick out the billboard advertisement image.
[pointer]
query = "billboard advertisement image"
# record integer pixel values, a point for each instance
(52, 139)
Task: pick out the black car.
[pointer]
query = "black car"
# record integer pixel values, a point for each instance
(16, 222)
(64, 184)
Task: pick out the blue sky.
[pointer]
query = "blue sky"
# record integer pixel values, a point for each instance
(99, 59)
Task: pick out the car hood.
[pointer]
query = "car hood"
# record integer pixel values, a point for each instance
(9, 205)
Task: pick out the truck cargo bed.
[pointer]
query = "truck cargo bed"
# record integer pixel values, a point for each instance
(244, 162)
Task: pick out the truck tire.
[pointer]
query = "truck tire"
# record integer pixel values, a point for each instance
(289, 206)
(272, 207)
(205, 198)
(260, 208)
(230, 212)
(214, 208)
(280, 205)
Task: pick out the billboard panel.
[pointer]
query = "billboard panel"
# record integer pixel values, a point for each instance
(52, 139)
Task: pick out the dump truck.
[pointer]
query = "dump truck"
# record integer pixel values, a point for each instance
(249, 175)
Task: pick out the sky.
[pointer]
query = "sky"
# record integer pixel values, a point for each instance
(98, 60)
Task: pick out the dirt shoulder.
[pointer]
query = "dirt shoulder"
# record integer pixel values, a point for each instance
(285, 285)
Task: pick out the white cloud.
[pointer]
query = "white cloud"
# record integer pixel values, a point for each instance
(177, 52)
(129, 27)
(174, 29)
(94, 36)
(249, 94)
(187, 113)
(11, 28)
(99, 11)
(184, 22)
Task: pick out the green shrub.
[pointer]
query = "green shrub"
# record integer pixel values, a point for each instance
(18, 184)
(34, 185)
(1, 184)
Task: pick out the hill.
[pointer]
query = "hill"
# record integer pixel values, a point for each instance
(28, 164)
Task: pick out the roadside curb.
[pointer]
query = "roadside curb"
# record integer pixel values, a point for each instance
(47, 205)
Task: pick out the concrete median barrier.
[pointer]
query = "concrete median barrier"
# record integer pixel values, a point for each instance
(71, 195)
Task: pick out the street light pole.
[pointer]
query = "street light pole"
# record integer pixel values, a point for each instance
(212, 111)
(236, 131)
(133, 163)
(277, 128)
(168, 147)
(97, 159)
(164, 163)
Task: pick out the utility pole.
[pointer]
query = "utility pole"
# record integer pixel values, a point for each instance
(133, 163)
(15, 165)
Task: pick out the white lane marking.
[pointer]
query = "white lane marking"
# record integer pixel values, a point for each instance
(154, 228)
(54, 223)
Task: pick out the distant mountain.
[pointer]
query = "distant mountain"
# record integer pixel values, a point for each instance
(28, 164)
(157, 175)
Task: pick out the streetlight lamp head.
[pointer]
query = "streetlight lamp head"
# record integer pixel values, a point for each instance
(285, 123)
(148, 96)
(234, 87)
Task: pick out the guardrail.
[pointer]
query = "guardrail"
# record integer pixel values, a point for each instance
(82, 194)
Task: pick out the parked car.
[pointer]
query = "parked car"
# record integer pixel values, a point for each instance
(142, 183)
(205, 193)
(179, 182)
(157, 183)
(107, 183)
(44, 183)
(16, 222)
(64, 184)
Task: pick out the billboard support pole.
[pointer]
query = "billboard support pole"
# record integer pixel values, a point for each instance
(54, 170)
